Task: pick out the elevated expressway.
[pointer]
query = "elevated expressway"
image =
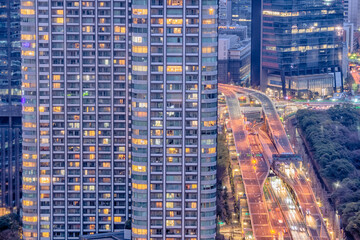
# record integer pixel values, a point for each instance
(275, 145)
(253, 178)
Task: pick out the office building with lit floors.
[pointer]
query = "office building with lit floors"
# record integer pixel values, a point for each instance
(75, 117)
(10, 107)
(301, 50)
(174, 109)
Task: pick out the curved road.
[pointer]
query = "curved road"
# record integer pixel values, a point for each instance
(253, 177)
(297, 181)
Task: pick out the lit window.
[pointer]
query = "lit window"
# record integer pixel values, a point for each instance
(208, 50)
(27, 37)
(27, 4)
(136, 168)
(174, 68)
(27, 12)
(56, 77)
(45, 234)
(58, 20)
(28, 109)
(44, 180)
(29, 164)
(140, 11)
(119, 29)
(139, 231)
(139, 186)
(170, 223)
(174, 2)
(56, 85)
(209, 21)
(169, 205)
(106, 164)
(139, 49)
(139, 141)
(29, 219)
(57, 109)
(137, 39)
(139, 68)
(209, 123)
(174, 21)
(177, 30)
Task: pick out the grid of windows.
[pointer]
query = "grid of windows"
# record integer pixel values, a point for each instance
(174, 104)
(10, 104)
(75, 84)
(77, 89)
(302, 38)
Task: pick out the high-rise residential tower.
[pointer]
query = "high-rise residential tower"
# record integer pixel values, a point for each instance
(76, 84)
(75, 117)
(174, 108)
(10, 106)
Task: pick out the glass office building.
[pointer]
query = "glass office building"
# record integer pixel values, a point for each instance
(10, 106)
(301, 38)
(174, 112)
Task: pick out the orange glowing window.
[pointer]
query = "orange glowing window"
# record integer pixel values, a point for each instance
(27, 11)
(140, 11)
(174, 68)
(57, 109)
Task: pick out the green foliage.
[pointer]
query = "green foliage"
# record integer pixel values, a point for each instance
(128, 224)
(333, 137)
(10, 227)
(223, 163)
(338, 169)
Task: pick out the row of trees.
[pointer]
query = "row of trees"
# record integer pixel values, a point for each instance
(223, 163)
(334, 139)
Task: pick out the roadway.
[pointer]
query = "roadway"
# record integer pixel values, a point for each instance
(253, 180)
(253, 177)
(277, 130)
(294, 219)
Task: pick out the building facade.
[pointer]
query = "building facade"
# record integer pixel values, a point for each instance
(174, 112)
(76, 85)
(10, 106)
(241, 13)
(79, 123)
(225, 13)
(299, 39)
(351, 11)
(234, 60)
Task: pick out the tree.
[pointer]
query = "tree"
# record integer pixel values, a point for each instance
(338, 170)
(10, 227)
(354, 225)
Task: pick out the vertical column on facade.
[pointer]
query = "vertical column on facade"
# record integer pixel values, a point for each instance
(208, 89)
(29, 88)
